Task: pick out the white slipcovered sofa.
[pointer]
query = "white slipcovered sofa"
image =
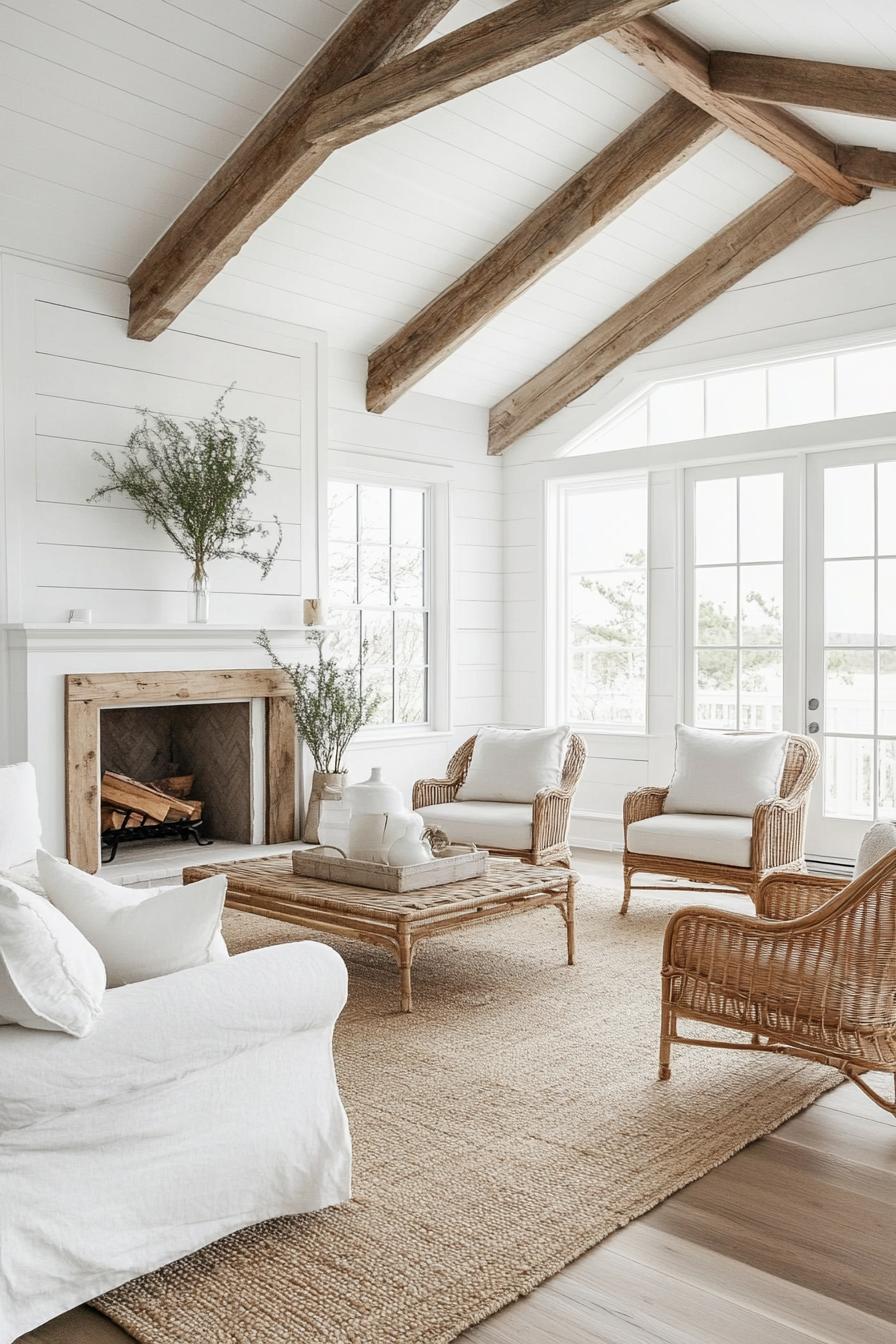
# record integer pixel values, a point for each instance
(200, 1102)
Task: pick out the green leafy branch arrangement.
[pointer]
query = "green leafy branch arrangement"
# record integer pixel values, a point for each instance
(328, 703)
(193, 482)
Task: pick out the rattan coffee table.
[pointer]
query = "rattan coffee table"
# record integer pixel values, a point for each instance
(395, 922)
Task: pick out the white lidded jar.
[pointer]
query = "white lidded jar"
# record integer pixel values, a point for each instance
(374, 795)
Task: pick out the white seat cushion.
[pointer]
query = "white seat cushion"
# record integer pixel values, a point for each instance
(489, 825)
(684, 835)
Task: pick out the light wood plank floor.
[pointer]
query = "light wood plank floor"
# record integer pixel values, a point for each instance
(791, 1241)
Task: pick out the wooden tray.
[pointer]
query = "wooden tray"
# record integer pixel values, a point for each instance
(456, 865)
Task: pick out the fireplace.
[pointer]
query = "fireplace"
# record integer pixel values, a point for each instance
(232, 731)
(198, 758)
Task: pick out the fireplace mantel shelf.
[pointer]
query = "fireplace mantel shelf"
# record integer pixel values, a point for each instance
(84, 628)
(64, 634)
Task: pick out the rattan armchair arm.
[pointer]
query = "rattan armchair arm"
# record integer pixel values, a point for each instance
(643, 803)
(779, 826)
(790, 895)
(429, 792)
(551, 807)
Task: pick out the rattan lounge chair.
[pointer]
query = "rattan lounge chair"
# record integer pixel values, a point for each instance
(536, 832)
(773, 839)
(812, 974)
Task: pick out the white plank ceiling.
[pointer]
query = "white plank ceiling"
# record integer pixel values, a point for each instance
(114, 112)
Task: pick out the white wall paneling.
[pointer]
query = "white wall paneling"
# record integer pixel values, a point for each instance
(71, 383)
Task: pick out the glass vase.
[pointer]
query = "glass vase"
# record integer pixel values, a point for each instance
(199, 600)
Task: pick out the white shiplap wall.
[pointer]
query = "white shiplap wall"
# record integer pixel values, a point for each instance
(71, 382)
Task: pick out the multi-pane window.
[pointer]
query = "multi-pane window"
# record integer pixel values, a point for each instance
(764, 396)
(379, 598)
(604, 555)
(738, 601)
(859, 639)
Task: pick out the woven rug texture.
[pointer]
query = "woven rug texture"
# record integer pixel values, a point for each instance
(507, 1125)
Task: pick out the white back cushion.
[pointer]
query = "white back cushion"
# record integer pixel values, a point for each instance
(724, 774)
(140, 933)
(878, 840)
(51, 978)
(19, 818)
(511, 765)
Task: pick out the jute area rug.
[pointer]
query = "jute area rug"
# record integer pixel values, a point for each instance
(507, 1125)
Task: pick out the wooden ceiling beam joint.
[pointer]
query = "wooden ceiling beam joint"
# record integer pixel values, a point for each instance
(269, 165)
(685, 66)
(519, 35)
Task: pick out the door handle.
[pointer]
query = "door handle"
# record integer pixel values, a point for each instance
(813, 703)
(813, 727)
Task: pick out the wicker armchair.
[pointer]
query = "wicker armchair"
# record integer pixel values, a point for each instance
(778, 833)
(550, 809)
(813, 974)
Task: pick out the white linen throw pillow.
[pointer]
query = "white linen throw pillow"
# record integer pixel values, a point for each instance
(878, 840)
(511, 765)
(51, 979)
(140, 933)
(724, 774)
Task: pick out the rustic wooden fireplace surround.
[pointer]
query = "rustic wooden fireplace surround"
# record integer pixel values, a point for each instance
(87, 694)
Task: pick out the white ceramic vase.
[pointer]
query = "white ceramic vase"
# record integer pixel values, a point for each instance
(373, 795)
(367, 837)
(333, 827)
(410, 847)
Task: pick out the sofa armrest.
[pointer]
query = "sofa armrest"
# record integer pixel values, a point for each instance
(153, 1033)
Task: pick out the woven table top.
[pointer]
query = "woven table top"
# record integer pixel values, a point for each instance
(274, 878)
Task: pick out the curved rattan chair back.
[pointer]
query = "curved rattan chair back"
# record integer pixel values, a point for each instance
(854, 977)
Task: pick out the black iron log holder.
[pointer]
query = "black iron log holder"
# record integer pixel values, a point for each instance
(183, 829)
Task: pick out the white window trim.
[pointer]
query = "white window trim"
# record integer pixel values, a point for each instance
(437, 561)
(637, 383)
(792, 469)
(556, 634)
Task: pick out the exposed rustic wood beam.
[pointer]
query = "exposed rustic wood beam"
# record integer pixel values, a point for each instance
(269, 165)
(684, 65)
(658, 142)
(781, 217)
(511, 39)
(873, 167)
(781, 79)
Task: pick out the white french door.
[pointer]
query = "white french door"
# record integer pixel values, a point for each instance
(743, 596)
(851, 643)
